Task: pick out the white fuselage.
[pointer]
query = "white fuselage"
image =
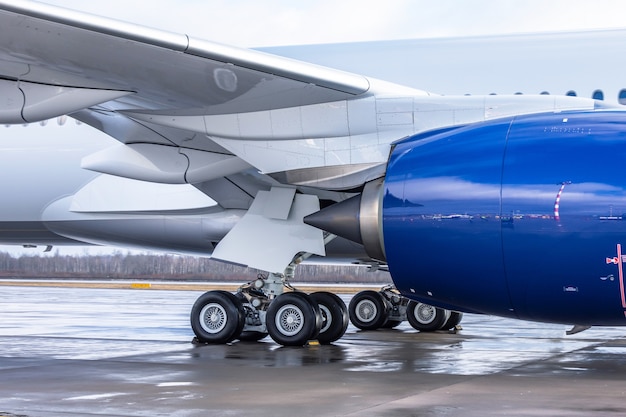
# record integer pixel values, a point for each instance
(557, 63)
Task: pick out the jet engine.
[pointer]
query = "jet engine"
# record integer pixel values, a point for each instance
(522, 217)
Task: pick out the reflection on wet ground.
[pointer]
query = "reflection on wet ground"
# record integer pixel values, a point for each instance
(129, 352)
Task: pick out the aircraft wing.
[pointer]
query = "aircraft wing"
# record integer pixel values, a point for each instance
(181, 108)
(178, 101)
(159, 71)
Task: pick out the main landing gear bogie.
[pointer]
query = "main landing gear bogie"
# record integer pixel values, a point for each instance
(371, 310)
(291, 318)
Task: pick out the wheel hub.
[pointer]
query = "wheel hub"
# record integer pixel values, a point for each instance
(366, 310)
(213, 318)
(425, 313)
(327, 318)
(289, 320)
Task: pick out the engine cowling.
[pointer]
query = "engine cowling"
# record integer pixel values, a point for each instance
(520, 217)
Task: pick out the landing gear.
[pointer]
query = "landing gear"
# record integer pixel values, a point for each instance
(253, 305)
(293, 319)
(371, 310)
(387, 308)
(217, 317)
(334, 316)
(392, 324)
(453, 321)
(264, 307)
(424, 317)
(368, 310)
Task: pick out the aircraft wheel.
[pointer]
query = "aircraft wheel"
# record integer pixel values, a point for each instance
(368, 310)
(453, 321)
(334, 316)
(390, 324)
(424, 317)
(217, 317)
(251, 336)
(293, 319)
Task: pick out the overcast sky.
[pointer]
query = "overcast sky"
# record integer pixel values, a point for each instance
(287, 22)
(249, 23)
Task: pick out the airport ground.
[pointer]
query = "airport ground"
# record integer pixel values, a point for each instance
(127, 352)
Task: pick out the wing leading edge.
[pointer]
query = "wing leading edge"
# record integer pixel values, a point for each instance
(56, 46)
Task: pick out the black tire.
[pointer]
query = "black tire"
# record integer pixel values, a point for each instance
(217, 317)
(251, 336)
(453, 321)
(293, 319)
(368, 310)
(334, 316)
(424, 317)
(390, 324)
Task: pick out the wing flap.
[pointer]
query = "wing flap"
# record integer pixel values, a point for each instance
(163, 164)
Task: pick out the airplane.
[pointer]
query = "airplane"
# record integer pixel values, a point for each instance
(505, 204)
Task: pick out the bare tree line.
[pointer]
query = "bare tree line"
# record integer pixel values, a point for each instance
(121, 265)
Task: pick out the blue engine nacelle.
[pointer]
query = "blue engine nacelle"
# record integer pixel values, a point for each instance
(523, 217)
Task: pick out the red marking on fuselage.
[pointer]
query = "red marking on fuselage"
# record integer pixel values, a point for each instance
(557, 215)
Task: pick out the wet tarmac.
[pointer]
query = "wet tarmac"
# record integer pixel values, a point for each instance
(103, 352)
